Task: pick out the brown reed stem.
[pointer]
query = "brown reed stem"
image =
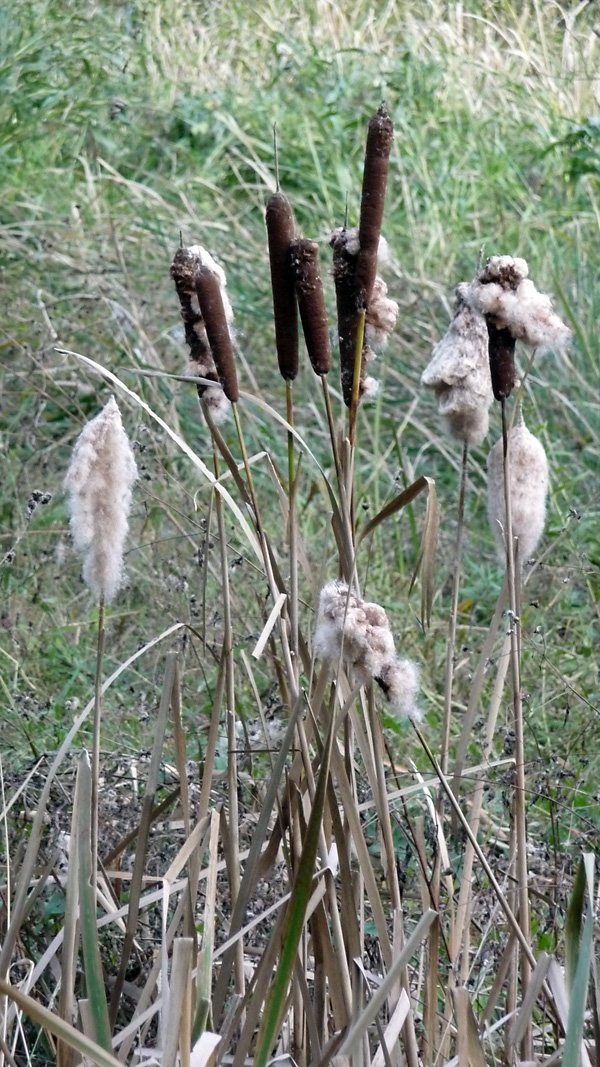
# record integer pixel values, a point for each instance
(234, 844)
(358, 362)
(96, 743)
(457, 562)
(519, 795)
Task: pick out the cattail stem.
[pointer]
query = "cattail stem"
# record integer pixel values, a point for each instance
(520, 820)
(332, 434)
(358, 364)
(232, 778)
(454, 612)
(292, 530)
(96, 743)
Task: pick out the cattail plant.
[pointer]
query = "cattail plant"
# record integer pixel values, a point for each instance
(184, 268)
(214, 311)
(99, 483)
(377, 160)
(281, 232)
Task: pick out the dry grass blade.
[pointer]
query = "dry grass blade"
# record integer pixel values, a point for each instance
(470, 1051)
(92, 964)
(379, 998)
(205, 956)
(427, 553)
(523, 1020)
(180, 977)
(58, 1027)
(68, 959)
(25, 874)
(144, 832)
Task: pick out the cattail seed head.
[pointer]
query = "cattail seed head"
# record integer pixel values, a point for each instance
(399, 681)
(99, 482)
(344, 243)
(505, 295)
(377, 160)
(185, 264)
(311, 302)
(213, 311)
(528, 486)
(459, 374)
(381, 316)
(501, 350)
(281, 232)
(359, 632)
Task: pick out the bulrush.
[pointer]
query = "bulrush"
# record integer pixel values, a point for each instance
(311, 302)
(459, 373)
(202, 365)
(377, 160)
(514, 311)
(359, 632)
(216, 313)
(528, 485)
(281, 232)
(99, 482)
(380, 317)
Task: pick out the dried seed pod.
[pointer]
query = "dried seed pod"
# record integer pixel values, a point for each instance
(377, 159)
(311, 302)
(528, 482)
(501, 348)
(344, 244)
(504, 293)
(281, 233)
(212, 309)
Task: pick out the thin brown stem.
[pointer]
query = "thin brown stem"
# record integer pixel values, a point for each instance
(96, 742)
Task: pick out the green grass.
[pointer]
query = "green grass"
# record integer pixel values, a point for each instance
(122, 126)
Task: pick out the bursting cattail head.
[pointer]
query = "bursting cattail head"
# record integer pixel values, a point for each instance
(381, 316)
(504, 294)
(399, 682)
(528, 486)
(209, 291)
(344, 243)
(201, 363)
(281, 232)
(377, 160)
(359, 632)
(311, 302)
(99, 482)
(459, 374)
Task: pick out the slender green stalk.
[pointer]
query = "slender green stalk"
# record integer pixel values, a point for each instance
(96, 742)
(292, 532)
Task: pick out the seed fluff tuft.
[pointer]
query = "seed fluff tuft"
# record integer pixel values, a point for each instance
(528, 484)
(359, 632)
(99, 483)
(504, 293)
(459, 373)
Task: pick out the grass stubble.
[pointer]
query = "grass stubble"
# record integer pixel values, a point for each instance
(310, 993)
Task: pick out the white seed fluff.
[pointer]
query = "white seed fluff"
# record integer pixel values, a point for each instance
(459, 373)
(503, 292)
(528, 484)
(359, 632)
(99, 482)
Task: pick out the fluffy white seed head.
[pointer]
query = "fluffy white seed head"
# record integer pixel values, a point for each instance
(359, 632)
(528, 484)
(399, 680)
(99, 482)
(459, 373)
(353, 628)
(503, 292)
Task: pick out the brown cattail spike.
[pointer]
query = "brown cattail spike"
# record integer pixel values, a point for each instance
(377, 160)
(212, 310)
(311, 302)
(281, 233)
(502, 360)
(344, 244)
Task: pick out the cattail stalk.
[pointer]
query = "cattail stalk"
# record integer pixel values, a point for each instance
(344, 277)
(377, 160)
(519, 795)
